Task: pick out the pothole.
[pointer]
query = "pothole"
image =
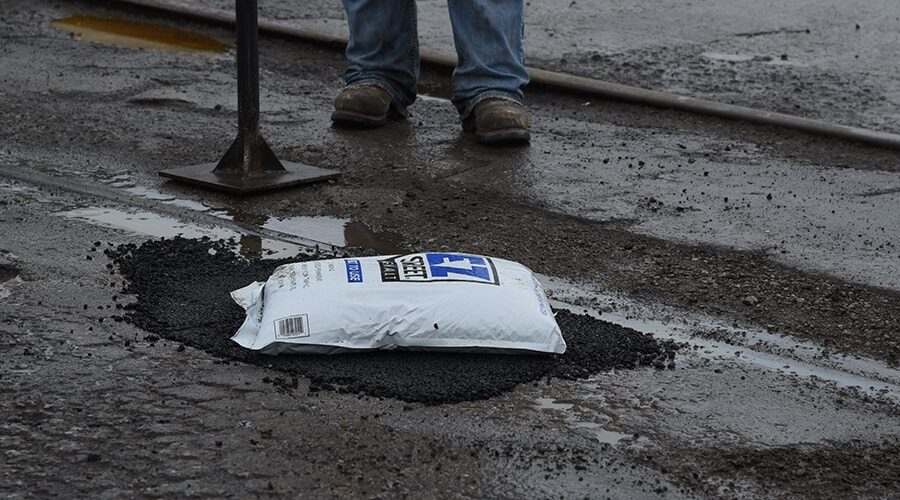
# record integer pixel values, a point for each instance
(193, 306)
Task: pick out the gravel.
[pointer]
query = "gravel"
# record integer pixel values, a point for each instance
(182, 294)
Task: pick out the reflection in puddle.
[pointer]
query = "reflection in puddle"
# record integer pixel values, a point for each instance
(138, 35)
(251, 247)
(327, 230)
(158, 226)
(337, 232)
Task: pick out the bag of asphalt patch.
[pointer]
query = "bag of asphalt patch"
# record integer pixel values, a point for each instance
(423, 301)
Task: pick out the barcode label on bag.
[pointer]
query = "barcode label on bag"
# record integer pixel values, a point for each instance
(292, 327)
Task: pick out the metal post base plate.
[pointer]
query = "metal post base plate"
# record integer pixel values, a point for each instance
(293, 175)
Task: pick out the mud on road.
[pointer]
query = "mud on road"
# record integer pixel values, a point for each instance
(790, 373)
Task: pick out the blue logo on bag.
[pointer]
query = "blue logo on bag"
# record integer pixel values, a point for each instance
(354, 271)
(454, 265)
(427, 267)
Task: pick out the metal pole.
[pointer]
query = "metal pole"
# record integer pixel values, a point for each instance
(248, 66)
(249, 165)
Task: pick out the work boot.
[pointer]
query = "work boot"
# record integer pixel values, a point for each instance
(366, 106)
(498, 121)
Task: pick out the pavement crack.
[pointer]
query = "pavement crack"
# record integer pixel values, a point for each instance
(782, 31)
(879, 192)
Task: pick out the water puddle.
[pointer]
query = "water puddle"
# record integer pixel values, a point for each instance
(752, 346)
(306, 231)
(158, 226)
(337, 232)
(167, 199)
(126, 183)
(602, 435)
(596, 429)
(137, 35)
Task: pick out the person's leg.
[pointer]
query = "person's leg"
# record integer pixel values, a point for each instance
(488, 37)
(383, 49)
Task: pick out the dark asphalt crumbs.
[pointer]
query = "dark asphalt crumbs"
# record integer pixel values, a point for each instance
(182, 294)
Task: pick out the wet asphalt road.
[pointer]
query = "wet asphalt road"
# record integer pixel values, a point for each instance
(789, 386)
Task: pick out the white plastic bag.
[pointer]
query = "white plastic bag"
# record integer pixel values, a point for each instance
(418, 301)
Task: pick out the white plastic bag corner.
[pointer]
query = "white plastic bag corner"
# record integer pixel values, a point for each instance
(250, 299)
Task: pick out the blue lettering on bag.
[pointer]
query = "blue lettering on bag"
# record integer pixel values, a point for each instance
(354, 271)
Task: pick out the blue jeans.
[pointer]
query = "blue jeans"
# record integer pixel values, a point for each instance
(384, 49)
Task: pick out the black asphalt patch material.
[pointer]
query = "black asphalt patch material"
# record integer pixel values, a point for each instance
(182, 288)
